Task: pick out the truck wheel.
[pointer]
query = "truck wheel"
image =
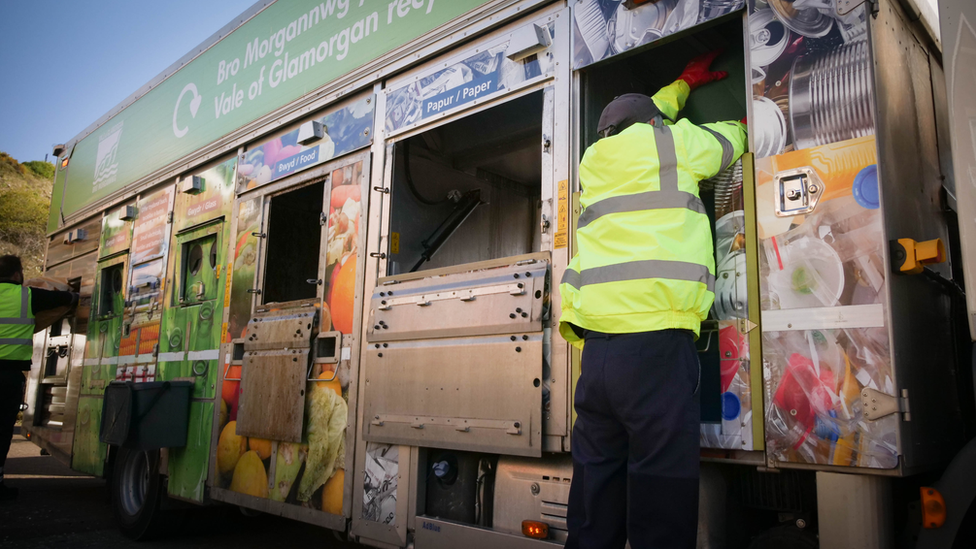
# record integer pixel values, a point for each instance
(136, 493)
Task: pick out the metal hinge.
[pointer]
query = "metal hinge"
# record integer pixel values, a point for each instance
(745, 325)
(169, 217)
(877, 405)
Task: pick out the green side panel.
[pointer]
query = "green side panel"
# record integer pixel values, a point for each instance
(106, 335)
(88, 454)
(205, 335)
(95, 378)
(197, 323)
(188, 466)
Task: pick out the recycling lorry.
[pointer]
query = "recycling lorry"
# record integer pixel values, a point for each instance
(319, 260)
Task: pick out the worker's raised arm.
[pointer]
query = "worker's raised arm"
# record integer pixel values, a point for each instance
(711, 148)
(671, 98)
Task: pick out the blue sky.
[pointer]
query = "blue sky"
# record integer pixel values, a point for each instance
(66, 63)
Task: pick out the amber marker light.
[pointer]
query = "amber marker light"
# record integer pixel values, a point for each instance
(64, 162)
(535, 529)
(933, 508)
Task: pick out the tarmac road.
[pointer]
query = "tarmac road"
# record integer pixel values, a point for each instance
(59, 508)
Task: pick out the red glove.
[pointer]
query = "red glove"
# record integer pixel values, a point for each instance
(697, 73)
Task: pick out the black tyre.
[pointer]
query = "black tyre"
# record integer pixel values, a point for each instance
(135, 489)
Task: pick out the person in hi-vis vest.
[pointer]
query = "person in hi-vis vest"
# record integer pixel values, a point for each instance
(18, 305)
(636, 293)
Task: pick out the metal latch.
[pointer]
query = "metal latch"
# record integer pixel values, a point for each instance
(877, 405)
(797, 191)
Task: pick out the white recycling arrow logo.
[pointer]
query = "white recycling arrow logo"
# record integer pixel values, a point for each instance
(194, 107)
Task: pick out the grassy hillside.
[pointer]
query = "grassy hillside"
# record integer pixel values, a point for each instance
(25, 196)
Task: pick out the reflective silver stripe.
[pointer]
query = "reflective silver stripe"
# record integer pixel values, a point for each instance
(651, 200)
(727, 150)
(212, 354)
(15, 341)
(572, 278)
(16, 321)
(667, 158)
(172, 357)
(24, 303)
(639, 270)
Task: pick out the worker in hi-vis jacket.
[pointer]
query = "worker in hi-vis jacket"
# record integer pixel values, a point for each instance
(18, 305)
(636, 293)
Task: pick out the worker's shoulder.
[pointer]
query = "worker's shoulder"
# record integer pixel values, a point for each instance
(685, 125)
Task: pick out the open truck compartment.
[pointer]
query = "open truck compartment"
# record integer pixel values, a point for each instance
(729, 392)
(469, 190)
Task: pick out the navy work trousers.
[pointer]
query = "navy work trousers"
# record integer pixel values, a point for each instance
(635, 442)
(11, 397)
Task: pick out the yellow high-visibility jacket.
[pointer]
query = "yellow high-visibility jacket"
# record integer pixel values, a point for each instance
(16, 322)
(645, 260)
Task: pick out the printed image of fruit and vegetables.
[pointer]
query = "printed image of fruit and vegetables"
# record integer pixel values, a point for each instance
(310, 473)
(345, 210)
(245, 265)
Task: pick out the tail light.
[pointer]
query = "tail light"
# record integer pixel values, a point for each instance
(535, 529)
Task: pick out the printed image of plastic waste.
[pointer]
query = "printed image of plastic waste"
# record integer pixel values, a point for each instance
(380, 482)
(734, 431)
(810, 75)
(343, 130)
(829, 252)
(603, 28)
(813, 407)
(470, 79)
(821, 241)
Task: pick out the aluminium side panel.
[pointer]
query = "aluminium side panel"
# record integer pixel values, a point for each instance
(921, 311)
(958, 19)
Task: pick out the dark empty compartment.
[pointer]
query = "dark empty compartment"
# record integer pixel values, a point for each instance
(294, 238)
(648, 69)
(469, 190)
